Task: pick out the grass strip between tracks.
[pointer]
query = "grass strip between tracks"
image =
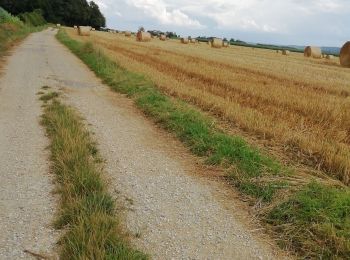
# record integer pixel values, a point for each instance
(87, 212)
(314, 221)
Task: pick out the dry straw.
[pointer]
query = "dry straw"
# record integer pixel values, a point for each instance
(216, 43)
(143, 36)
(184, 40)
(84, 30)
(127, 33)
(285, 52)
(313, 51)
(225, 44)
(162, 37)
(345, 55)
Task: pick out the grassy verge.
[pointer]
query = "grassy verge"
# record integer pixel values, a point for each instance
(252, 172)
(13, 30)
(87, 211)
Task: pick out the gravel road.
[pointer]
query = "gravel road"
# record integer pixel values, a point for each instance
(173, 210)
(26, 203)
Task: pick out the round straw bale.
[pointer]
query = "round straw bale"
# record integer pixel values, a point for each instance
(184, 40)
(285, 52)
(143, 36)
(127, 33)
(216, 43)
(329, 57)
(162, 37)
(277, 51)
(313, 51)
(75, 27)
(225, 44)
(84, 30)
(193, 40)
(93, 29)
(345, 55)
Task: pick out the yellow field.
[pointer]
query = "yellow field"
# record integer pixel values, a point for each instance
(298, 105)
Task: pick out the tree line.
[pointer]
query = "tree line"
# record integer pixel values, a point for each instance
(66, 12)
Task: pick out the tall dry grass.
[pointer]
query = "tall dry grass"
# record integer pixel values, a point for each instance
(298, 104)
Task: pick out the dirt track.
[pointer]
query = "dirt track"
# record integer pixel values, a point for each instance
(26, 203)
(171, 209)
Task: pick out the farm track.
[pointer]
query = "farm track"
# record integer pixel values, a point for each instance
(315, 123)
(173, 208)
(27, 205)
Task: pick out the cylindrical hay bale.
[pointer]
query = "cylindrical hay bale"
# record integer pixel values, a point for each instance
(216, 43)
(58, 25)
(329, 57)
(127, 33)
(285, 52)
(345, 55)
(225, 44)
(93, 29)
(162, 37)
(193, 40)
(75, 27)
(312, 51)
(184, 40)
(143, 36)
(277, 51)
(84, 30)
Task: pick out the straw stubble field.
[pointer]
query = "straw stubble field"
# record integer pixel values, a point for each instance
(297, 106)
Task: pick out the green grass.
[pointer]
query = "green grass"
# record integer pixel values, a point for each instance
(48, 96)
(13, 30)
(87, 216)
(190, 125)
(34, 18)
(308, 224)
(315, 221)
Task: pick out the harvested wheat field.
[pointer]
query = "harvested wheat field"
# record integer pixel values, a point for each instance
(293, 106)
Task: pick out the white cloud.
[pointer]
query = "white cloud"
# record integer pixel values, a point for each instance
(158, 10)
(289, 21)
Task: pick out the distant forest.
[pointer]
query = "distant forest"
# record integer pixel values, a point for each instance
(66, 12)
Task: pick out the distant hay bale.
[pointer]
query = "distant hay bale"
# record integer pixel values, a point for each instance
(345, 55)
(127, 33)
(58, 25)
(193, 40)
(216, 43)
(84, 30)
(93, 29)
(329, 57)
(285, 52)
(184, 40)
(225, 44)
(162, 37)
(313, 51)
(143, 36)
(75, 27)
(277, 51)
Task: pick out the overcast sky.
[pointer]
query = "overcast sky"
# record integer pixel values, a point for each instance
(299, 22)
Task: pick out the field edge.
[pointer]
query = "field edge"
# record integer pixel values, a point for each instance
(252, 172)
